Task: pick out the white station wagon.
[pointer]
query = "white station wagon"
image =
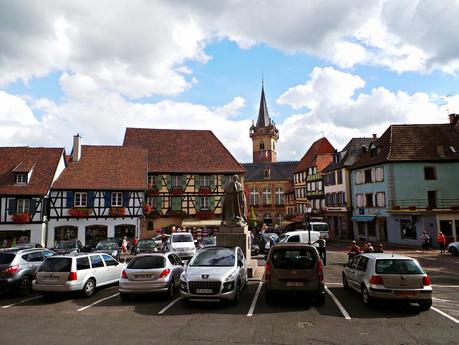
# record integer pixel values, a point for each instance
(76, 272)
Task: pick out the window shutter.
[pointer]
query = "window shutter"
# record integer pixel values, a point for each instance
(33, 206)
(125, 199)
(212, 182)
(107, 199)
(90, 199)
(212, 203)
(197, 203)
(169, 182)
(184, 182)
(373, 175)
(159, 203)
(373, 196)
(11, 206)
(69, 199)
(196, 182)
(159, 181)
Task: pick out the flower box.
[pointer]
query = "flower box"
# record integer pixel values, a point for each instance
(117, 211)
(396, 207)
(178, 214)
(152, 192)
(177, 191)
(204, 214)
(205, 191)
(412, 207)
(79, 212)
(21, 218)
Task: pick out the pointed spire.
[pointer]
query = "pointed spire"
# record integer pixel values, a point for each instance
(263, 117)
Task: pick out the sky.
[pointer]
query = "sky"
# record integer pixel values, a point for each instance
(339, 69)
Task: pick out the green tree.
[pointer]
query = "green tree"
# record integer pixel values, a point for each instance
(252, 219)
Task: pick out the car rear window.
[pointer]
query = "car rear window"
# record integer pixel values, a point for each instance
(182, 238)
(56, 265)
(6, 258)
(147, 262)
(397, 266)
(289, 258)
(83, 263)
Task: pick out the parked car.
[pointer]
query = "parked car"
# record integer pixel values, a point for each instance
(69, 246)
(109, 247)
(388, 276)
(216, 274)
(81, 272)
(146, 273)
(182, 244)
(17, 268)
(209, 241)
(146, 246)
(300, 236)
(28, 245)
(294, 268)
(453, 248)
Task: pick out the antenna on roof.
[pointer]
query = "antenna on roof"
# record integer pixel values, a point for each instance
(262, 79)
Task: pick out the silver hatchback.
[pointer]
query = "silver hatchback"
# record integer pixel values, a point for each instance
(388, 276)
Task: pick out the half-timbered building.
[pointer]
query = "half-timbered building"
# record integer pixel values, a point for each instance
(26, 175)
(99, 195)
(187, 172)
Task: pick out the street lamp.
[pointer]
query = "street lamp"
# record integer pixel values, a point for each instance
(307, 218)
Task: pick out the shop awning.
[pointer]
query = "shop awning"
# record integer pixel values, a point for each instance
(285, 222)
(363, 218)
(200, 222)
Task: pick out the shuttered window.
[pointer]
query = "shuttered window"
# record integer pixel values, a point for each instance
(81, 199)
(379, 172)
(117, 199)
(359, 200)
(380, 199)
(23, 206)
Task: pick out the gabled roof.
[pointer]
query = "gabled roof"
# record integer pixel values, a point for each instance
(320, 147)
(278, 170)
(350, 153)
(21, 160)
(263, 117)
(106, 168)
(424, 142)
(183, 151)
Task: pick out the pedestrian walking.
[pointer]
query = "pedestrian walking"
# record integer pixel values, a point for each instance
(163, 242)
(355, 250)
(322, 249)
(124, 245)
(441, 239)
(425, 242)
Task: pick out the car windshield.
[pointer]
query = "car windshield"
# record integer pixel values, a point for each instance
(274, 236)
(146, 244)
(221, 257)
(182, 238)
(209, 240)
(397, 266)
(289, 258)
(106, 246)
(66, 245)
(6, 258)
(147, 262)
(283, 238)
(56, 265)
(320, 227)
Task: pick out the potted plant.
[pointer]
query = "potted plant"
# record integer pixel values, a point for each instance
(79, 212)
(21, 218)
(396, 207)
(412, 207)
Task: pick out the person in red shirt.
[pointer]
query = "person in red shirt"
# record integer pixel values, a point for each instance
(355, 250)
(441, 239)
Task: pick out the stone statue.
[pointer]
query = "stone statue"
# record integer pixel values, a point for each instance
(234, 204)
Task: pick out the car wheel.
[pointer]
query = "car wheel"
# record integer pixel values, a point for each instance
(237, 297)
(246, 283)
(170, 289)
(366, 298)
(25, 286)
(425, 305)
(124, 296)
(454, 251)
(345, 283)
(89, 287)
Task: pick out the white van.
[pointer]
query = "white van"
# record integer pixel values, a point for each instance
(299, 236)
(320, 227)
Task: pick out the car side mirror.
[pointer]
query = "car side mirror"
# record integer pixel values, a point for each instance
(240, 263)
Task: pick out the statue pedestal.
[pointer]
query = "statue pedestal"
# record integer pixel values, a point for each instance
(237, 236)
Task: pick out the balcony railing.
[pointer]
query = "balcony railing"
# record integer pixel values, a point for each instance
(424, 204)
(315, 193)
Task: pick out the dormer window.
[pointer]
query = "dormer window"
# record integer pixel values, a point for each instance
(373, 152)
(21, 178)
(266, 173)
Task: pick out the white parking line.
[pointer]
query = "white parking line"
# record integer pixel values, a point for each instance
(338, 303)
(255, 299)
(445, 286)
(96, 302)
(445, 315)
(162, 311)
(328, 283)
(24, 300)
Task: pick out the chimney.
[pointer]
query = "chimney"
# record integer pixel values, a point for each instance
(453, 119)
(375, 136)
(441, 150)
(76, 150)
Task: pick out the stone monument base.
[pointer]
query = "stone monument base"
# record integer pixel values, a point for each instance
(235, 237)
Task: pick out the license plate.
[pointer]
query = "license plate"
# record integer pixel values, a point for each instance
(294, 284)
(406, 293)
(143, 276)
(50, 278)
(204, 291)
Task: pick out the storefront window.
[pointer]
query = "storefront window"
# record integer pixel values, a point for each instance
(62, 233)
(125, 230)
(95, 234)
(408, 230)
(446, 226)
(12, 238)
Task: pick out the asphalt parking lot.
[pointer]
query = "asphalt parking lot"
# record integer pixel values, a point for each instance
(105, 319)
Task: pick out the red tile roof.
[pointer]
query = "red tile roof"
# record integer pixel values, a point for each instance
(183, 151)
(106, 168)
(43, 160)
(428, 142)
(321, 148)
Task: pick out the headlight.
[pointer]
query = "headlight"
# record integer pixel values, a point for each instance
(230, 277)
(228, 286)
(114, 253)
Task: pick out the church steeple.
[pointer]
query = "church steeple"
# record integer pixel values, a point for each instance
(265, 134)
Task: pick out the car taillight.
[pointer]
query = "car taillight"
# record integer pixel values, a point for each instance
(267, 271)
(123, 275)
(165, 273)
(426, 280)
(12, 269)
(72, 276)
(320, 271)
(376, 280)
